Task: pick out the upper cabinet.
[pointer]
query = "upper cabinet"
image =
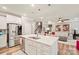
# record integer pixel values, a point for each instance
(13, 19)
(8, 19)
(2, 22)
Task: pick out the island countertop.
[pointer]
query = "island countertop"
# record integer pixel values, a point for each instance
(42, 39)
(49, 39)
(44, 45)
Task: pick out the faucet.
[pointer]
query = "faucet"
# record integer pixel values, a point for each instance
(37, 34)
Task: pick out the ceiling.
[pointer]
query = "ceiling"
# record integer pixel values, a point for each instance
(51, 12)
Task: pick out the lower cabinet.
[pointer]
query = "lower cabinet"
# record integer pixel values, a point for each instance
(29, 48)
(36, 48)
(3, 41)
(43, 49)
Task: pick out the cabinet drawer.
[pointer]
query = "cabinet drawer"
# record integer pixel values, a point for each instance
(45, 47)
(31, 50)
(34, 44)
(30, 42)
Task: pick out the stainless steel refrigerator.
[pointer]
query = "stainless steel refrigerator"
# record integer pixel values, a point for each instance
(13, 30)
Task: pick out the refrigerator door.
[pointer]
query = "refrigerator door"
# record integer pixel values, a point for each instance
(12, 34)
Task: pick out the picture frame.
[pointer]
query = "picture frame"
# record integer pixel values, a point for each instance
(66, 27)
(58, 28)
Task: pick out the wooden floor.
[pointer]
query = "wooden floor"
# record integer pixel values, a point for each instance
(9, 51)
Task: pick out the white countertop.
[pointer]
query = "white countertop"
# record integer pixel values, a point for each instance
(43, 39)
(48, 39)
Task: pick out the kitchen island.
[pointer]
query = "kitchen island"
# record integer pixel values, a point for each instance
(41, 45)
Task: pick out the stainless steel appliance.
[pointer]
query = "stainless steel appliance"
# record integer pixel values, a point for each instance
(13, 30)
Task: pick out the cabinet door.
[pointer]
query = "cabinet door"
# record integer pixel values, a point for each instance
(3, 22)
(3, 41)
(26, 46)
(30, 48)
(39, 49)
(46, 49)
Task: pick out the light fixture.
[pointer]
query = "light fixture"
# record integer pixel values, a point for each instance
(32, 5)
(60, 20)
(39, 23)
(49, 4)
(3, 7)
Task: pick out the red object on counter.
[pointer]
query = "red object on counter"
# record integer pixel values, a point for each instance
(77, 44)
(53, 33)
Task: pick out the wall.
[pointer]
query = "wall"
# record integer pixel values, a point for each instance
(60, 33)
(27, 25)
(74, 24)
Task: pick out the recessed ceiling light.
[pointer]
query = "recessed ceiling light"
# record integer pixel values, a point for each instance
(32, 5)
(3, 7)
(38, 9)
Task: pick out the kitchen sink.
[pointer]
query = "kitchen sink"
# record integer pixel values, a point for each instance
(34, 38)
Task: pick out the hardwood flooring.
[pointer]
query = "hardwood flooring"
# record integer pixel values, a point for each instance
(9, 51)
(65, 51)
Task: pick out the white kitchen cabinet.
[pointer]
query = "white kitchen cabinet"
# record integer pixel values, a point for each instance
(11, 43)
(37, 47)
(45, 45)
(13, 19)
(3, 41)
(46, 49)
(3, 22)
(43, 49)
(29, 48)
